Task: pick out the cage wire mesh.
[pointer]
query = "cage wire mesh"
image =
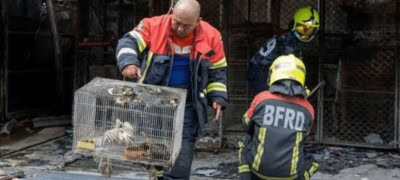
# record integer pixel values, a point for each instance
(260, 11)
(359, 66)
(238, 15)
(128, 16)
(106, 18)
(210, 12)
(312, 82)
(96, 20)
(86, 56)
(254, 11)
(112, 20)
(336, 18)
(127, 122)
(362, 107)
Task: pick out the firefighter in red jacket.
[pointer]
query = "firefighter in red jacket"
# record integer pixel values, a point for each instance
(277, 123)
(181, 51)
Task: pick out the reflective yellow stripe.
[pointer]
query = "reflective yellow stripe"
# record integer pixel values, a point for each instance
(221, 63)
(150, 55)
(246, 118)
(311, 171)
(295, 153)
(141, 43)
(306, 176)
(241, 145)
(313, 168)
(273, 178)
(244, 168)
(159, 173)
(203, 93)
(260, 148)
(216, 86)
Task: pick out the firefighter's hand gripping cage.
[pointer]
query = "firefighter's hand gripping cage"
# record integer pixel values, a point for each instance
(128, 122)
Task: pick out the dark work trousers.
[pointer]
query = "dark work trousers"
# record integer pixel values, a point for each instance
(310, 167)
(257, 76)
(182, 167)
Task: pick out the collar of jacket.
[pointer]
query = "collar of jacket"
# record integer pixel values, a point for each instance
(200, 40)
(288, 87)
(200, 43)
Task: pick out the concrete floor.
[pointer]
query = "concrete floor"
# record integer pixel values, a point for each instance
(364, 172)
(50, 161)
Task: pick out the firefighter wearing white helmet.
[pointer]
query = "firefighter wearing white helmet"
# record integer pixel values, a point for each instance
(276, 126)
(304, 27)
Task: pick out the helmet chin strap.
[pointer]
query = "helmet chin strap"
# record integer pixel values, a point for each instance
(304, 40)
(268, 79)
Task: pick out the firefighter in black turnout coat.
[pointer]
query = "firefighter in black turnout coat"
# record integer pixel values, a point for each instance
(303, 29)
(277, 124)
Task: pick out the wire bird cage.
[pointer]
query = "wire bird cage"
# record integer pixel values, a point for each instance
(128, 122)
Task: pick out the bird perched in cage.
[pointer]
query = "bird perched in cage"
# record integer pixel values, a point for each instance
(122, 94)
(122, 133)
(122, 91)
(170, 102)
(153, 91)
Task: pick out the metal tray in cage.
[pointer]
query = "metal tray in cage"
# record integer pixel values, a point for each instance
(127, 121)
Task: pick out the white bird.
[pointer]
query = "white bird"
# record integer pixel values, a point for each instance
(126, 135)
(122, 133)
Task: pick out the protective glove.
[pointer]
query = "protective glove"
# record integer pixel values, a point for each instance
(307, 91)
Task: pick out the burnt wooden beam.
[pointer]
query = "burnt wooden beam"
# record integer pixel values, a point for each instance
(1, 62)
(120, 18)
(44, 34)
(43, 136)
(320, 99)
(83, 15)
(275, 16)
(397, 82)
(4, 61)
(151, 7)
(51, 121)
(57, 51)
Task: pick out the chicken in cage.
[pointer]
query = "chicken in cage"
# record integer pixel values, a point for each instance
(124, 121)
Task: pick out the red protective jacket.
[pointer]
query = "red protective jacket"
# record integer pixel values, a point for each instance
(152, 40)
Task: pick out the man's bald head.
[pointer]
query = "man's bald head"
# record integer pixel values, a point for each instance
(185, 17)
(190, 7)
